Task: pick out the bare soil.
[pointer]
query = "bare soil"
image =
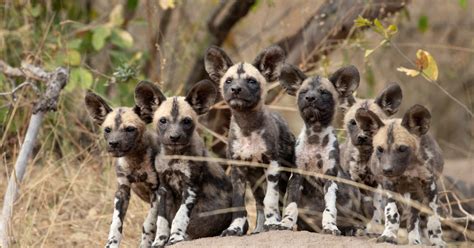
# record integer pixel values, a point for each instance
(285, 239)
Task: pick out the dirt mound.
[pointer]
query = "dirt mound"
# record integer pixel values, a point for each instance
(285, 239)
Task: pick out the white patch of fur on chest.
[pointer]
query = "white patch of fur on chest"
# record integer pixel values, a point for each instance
(314, 157)
(250, 148)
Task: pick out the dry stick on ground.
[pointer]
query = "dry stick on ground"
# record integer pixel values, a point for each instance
(55, 83)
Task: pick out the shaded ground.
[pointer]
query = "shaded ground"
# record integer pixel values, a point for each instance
(284, 239)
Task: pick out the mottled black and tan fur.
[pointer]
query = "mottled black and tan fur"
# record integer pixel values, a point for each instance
(256, 134)
(317, 148)
(135, 148)
(188, 189)
(406, 160)
(357, 149)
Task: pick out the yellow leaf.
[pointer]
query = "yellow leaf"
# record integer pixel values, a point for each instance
(426, 63)
(122, 38)
(115, 17)
(368, 52)
(73, 57)
(409, 72)
(167, 4)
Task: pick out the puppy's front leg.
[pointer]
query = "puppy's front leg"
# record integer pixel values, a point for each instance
(181, 219)
(239, 224)
(435, 233)
(329, 219)
(392, 218)
(162, 223)
(272, 197)
(375, 224)
(122, 197)
(290, 215)
(149, 226)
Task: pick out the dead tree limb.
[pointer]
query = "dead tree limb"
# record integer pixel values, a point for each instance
(55, 83)
(222, 20)
(332, 23)
(154, 66)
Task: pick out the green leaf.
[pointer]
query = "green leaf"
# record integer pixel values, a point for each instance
(463, 4)
(391, 30)
(379, 28)
(116, 16)
(74, 44)
(72, 57)
(423, 23)
(36, 11)
(100, 34)
(122, 38)
(80, 77)
(362, 22)
(132, 4)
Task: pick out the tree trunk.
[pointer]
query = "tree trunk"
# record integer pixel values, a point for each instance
(224, 18)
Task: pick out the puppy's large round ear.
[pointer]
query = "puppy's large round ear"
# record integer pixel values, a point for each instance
(216, 63)
(367, 120)
(346, 80)
(417, 120)
(96, 107)
(269, 62)
(390, 99)
(148, 97)
(291, 78)
(202, 96)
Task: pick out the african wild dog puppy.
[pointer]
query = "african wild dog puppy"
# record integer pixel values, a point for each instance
(187, 188)
(135, 148)
(406, 159)
(256, 134)
(357, 149)
(317, 148)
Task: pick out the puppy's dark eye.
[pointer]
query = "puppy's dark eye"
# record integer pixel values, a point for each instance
(130, 129)
(402, 148)
(108, 130)
(187, 121)
(228, 81)
(251, 81)
(352, 122)
(163, 120)
(380, 149)
(304, 91)
(324, 92)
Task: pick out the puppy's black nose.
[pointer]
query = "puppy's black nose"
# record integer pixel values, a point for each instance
(361, 139)
(388, 171)
(113, 144)
(175, 137)
(310, 98)
(235, 89)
